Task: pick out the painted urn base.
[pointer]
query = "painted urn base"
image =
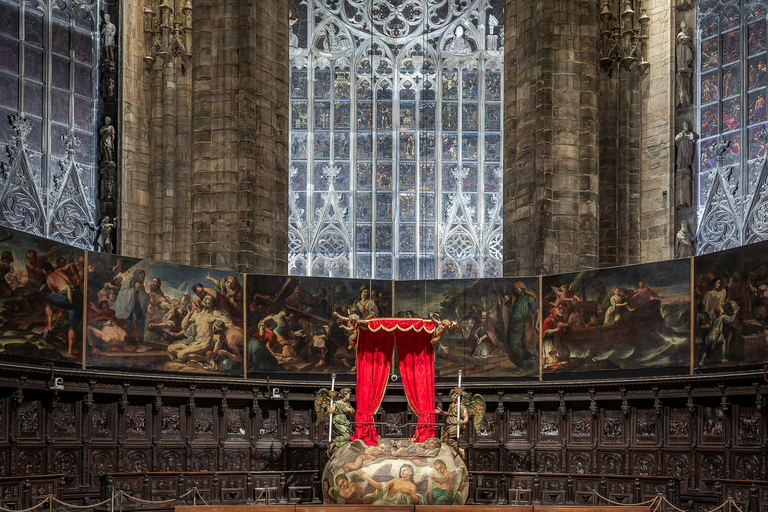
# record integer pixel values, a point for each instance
(396, 472)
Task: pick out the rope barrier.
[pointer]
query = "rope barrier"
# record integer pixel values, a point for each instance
(734, 505)
(147, 501)
(26, 509)
(681, 510)
(200, 496)
(648, 502)
(82, 507)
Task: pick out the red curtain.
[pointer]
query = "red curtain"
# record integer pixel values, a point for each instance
(417, 368)
(374, 357)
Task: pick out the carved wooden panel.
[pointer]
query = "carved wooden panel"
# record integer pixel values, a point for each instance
(548, 462)
(170, 459)
(581, 427)
(163, 485)
(711, 465)
(746, 467)
(269, 424)
(395, 425)
(620, 490)
(580, 462)
(4, 463)
(236, 424)
(518, 462)
(68, 463)
(643, 464)
(549, 427)
(204, 421)
(712, 426)
(612, 431)
(30, 461)
(300, 460)
(4, 418)
(29, 423)
(203, 460)
(101, 461)
(748, 430)
(612, 463)
(679, 426)
(137, 461)
(646, 426)
(102, 422)
(235, 460)
(204, 485)
(136, 426)
(517, 427)
(487, 488)
(128, 483)
(553, 491)
(301, 425)
(583, 491)
(41, 488)
(677, 465)
(488, 430)
(486, 460)
(268, 459)
(65, 422)
(170, 423)
(233, 489)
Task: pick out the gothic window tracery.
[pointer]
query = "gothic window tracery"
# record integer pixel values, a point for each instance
(48, 71)
(733, 189)
(396, 138)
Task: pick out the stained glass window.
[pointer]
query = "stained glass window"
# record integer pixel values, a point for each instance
(732, 197)
(48, 67)
(396, 138)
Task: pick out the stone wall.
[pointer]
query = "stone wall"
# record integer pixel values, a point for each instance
(134, 212)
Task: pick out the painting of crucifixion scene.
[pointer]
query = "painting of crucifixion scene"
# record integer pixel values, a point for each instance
(731, 307)
(154, 316)
(495, 333)
(308, 325)
(621, 318)
(41, 298)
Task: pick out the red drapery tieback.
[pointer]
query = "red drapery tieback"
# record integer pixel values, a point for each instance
(374, 358)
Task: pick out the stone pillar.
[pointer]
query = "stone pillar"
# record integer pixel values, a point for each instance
(240, 137)
(550, 140)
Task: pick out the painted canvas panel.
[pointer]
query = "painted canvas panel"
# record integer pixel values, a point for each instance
(621, 318)
(155, 316)
(497, 332)
(291, 327)
(41, 298)
(731, 303)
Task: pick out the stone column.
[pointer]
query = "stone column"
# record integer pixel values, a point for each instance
(240, 137)
(550, 140)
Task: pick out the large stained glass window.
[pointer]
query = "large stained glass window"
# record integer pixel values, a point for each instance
(732, 194)
(48, 68)
(396, 138)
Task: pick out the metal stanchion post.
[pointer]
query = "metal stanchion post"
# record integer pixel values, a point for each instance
(194, 496)
(50, 503)
(121, 501)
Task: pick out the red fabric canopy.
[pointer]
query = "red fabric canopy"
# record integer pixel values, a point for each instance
(374, 358)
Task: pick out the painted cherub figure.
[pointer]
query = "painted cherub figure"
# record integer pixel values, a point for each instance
(442, 494)
(440, 327)
(352, 323)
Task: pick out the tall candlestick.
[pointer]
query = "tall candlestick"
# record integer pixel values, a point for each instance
(458, 411)
(330, 418)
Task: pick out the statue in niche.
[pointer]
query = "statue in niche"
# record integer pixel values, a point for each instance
(684, 58)
(686, 151)
(459, 44)
(107, 182)
(107, 141)
(104, 239)
(683, 5)
(108, 31)
(685, 242)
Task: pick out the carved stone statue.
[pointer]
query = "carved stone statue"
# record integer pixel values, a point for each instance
(108, 31)
(684, 58)
(107, 141)
(108, 181)
(104, 238)
(686, 151)
(685, 242)
(683, 5)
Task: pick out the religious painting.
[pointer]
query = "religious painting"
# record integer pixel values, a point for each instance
(155, 316)
(296, 324)
(41, 298)
(709, 89)
(709, 55)
(395, 472)
(731, 307)
(496, 333)
(623, 318)
(757, 73)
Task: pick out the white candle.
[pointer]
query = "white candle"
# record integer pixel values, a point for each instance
(330, 418)
(458, 411)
